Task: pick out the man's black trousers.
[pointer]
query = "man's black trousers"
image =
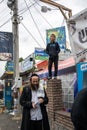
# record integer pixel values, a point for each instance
(50, 63)
(36, 125)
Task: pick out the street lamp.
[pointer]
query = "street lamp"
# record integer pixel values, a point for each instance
(44, 9)
(10, 4)
(61, 8)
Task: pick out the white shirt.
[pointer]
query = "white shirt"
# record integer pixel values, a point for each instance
(36, 112)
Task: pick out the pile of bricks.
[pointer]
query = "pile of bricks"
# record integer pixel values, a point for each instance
(57, 116)
(54, 92)
(63, 119)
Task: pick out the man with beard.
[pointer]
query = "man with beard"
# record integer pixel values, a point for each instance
(34, 100)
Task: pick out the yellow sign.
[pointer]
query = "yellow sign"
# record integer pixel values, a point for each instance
(9, 72)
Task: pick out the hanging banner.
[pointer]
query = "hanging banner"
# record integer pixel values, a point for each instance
(6, 46)
(40, 54)
(60, 34)
(77, 26)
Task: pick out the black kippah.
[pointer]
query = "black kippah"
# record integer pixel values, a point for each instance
(34, 75)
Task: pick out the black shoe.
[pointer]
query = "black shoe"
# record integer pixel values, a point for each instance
(49, 78)
(55, 77)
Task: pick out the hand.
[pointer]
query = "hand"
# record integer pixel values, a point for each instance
(33, 105)
(41, 100)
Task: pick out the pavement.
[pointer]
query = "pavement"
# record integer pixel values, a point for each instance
(9, 122)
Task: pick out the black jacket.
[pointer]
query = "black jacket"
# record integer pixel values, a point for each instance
(53, 49)
(79, 110)
(25, 101)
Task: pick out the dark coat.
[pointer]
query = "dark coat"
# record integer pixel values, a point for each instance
(53, 49)
(25, 101)
(79, 110)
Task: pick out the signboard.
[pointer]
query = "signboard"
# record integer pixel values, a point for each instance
(6, 46)
(77, 26)
(82, 75)
(60, 36)
(9, 66)
(8, 94)
(28, 63)
(40, 54)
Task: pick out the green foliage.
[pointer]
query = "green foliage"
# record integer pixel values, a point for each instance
(21, 59)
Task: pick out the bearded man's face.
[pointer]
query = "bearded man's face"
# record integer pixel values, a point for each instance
(34, 83)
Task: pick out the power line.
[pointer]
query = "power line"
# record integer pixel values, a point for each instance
(33, 4)
(1, 1)
(37, 2)
(3, 17)
(3, 13)
(4, 23)
(30, 34)
(34, 21)
(25, 9)
(42, 16)
(41, 5)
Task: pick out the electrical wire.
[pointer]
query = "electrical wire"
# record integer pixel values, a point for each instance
(30, 34)
(1, 1)
(4, 17)
(41, 5)
(25, 9)
(4, 14)
(42, 16)
(34, 22)
(55, 0)
(37, 2)
(5, 23)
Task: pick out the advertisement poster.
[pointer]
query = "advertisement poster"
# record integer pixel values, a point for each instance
(8, 94)
(60, 34)
(6, 46)
(77, 26)
(9, 66)
(40, 54)
(82, 75)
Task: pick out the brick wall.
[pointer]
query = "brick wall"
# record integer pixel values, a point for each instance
(58, 118)
(63, 119)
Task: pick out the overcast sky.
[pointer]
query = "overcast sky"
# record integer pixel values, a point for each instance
(51, 19)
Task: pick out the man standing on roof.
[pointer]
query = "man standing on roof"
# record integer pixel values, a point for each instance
(53, 50)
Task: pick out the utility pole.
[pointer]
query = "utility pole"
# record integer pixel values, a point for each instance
(13, 5)
(16, 54)
(15, 39)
